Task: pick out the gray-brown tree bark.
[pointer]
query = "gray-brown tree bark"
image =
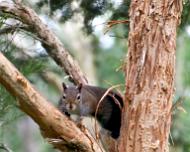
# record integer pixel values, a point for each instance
(150, 74)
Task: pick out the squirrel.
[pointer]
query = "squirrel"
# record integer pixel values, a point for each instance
(83, 100)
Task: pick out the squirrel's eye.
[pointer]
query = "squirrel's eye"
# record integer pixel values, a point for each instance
(64, 97)
(78, 97)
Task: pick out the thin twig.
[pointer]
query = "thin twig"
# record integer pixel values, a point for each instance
(177, 103)
(11, 29)
(112, 23)
(5, 147)
(104, 95)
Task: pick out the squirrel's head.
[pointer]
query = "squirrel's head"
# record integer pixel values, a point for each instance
(70, 98)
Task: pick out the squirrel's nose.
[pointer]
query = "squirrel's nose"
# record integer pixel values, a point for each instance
(71, 106)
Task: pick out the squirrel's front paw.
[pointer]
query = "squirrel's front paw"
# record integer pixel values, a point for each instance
(79, 123)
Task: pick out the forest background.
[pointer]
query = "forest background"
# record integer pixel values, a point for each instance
(84, 29)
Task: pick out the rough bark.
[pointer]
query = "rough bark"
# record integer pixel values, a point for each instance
(150, 75)
(62, 133)
(50, 42)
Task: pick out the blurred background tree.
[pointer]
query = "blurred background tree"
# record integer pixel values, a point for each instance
(81, 26)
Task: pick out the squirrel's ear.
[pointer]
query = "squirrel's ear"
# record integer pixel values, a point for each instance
(64, 86)
(79, 87)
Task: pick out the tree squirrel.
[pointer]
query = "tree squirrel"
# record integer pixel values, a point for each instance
(82, 100)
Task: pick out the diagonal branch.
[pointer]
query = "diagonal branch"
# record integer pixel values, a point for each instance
(62, 133)
(50, 42)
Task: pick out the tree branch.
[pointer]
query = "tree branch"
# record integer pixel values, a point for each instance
(62, 133)
(5, 148)
(50, 42)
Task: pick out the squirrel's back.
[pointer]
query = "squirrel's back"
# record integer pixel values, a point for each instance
(109, 110)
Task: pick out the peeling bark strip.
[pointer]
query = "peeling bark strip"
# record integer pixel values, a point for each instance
(48, 39)
(60, 132)
(150, 75)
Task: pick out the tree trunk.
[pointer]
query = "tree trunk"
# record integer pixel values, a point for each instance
(150, 75)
